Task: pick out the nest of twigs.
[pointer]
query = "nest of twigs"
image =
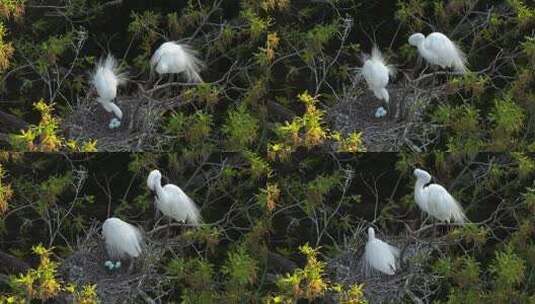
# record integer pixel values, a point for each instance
(142, 116)
(412, 280)
(402, 126)
(86, 266)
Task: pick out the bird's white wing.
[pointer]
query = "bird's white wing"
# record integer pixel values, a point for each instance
(377, 56)
(380, 257)
(122, 239)
(158, 54)
(443, 205)
(395, 251)
(188, 60)
(184, 206)
(446, 52)
(107, 77)
(106, 83)
(132, 240)
(376, 75)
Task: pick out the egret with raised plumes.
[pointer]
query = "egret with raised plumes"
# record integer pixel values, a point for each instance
(175, 58)
(172, 201)
(377, 73)
(379, 255)
(122, 239)
(438, 49)
(435, 200)
(106, 78)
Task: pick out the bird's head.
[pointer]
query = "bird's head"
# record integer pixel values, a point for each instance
(371, 233)
(416, 39)
(154, 178)
(422, 175)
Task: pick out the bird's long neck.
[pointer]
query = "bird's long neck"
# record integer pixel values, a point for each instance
(371, 236)
(423, 50)
(419, 188)
(158, 187)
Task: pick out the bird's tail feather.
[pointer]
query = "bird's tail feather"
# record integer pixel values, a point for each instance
(194, 216)
(111, 64)
(377, 55)
(458, 214)
(193, 65)
(459, 64)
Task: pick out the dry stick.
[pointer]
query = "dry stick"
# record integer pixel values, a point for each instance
(335, 212)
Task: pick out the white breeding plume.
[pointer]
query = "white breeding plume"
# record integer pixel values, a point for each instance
(377, 73)
(106, 79)
(172, 201)
(121, 239)
(379, 255)
(439, 50)
(435, 200)
(174, 58)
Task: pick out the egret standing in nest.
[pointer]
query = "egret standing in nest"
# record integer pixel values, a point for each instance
(122, 240)
(172, 201)
(379, 255)
(377, 73)
(106, 79)
(175, 58)
(435, 200)
(438, 49)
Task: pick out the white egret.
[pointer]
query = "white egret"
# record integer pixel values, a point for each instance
(439, 50)
(122, 239)
(379, 255)
(172, 201)
(377, 73)
(106, 79)
(174, 58)
(435, 200)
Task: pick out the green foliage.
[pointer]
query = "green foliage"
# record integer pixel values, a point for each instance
(508, 269)
(45, 136)
(464, 122)
(525, 14)
(241, 128)
(309, 131)
(6, 49)
(259, 167)
(311, 284)
(256, 212)
(6, 192)
(240, 269)
(12, 8)
(508, 119)
(42, 283)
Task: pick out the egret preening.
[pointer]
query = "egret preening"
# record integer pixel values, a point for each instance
(172, 201)
(122, 240)
(439, 50)
(174, 58)
(379, 255)
(377, 73)
(435, 200)
(106, 79)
